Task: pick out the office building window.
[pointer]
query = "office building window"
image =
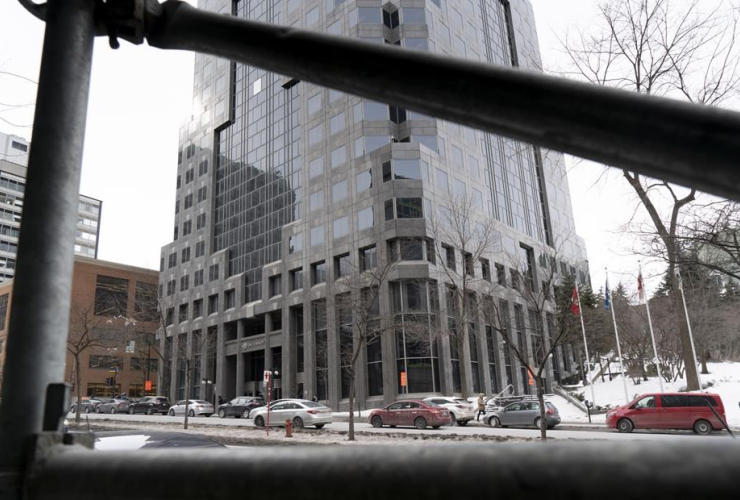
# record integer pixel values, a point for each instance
(318, 273)
(365, 218)
(275, 285)
(368, 258)
(409, 208)
(342, 265)
(296, 279)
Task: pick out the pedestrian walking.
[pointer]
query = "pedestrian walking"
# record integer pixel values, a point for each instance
(221, 400)
(481, 407)
(315, 399)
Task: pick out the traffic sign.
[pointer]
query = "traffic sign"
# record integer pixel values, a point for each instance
(148, 385)
(531, 378)
(266, 375)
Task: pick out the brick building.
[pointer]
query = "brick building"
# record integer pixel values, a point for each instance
(113, 320)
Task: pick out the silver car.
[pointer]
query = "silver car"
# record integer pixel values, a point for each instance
(461, 411)
(523, 413)
(301, 412)
(195, 407)
(113, 406)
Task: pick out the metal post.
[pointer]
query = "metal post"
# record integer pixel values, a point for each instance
(39, 316)
(585, 347)
(688, 324)
(619, 348)
(652, 333)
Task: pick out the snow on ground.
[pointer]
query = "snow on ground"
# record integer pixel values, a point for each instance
(724, 377)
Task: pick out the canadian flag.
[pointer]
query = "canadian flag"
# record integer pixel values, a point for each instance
(640, 288)
(574, 302)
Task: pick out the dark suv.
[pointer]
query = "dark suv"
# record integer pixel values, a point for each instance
(150, 405)
(240, 407)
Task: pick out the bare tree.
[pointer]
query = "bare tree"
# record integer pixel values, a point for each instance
(462, 237)
(547, 301)
(190, 351)
(650, 47)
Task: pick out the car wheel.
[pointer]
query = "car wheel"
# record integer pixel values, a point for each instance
(392, 426)
(207, 414)
(222, 413)
(463, 422)
(319, 426)
(97, 410)
(377, 422)
(171, 413)
(149, 411)
(130, 411)
(625, 425)
(259, 421)
(245, 414)
(453, 419)
(87, 409)
(112, 411)
(702, 427)
(494, 422)
(72, 410)
(420, 423)
(436, 427)
(191, 413)
(298, 423)
(550, 427)
(537, 422)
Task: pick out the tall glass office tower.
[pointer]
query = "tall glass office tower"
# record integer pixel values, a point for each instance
(284, 185)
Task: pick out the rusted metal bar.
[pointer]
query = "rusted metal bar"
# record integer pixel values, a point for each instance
(679, 142)
(39, 316)
(522, 471)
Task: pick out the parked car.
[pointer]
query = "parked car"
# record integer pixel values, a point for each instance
(87, 405)
(301, 411)
(113, 406)
(413, 413)
(137, 440)
(523, 413)
(669, 411)
(240, 407)
(195, 407)
(461, 411)
(150, 405)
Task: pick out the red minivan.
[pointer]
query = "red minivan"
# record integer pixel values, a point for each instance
(677, 410)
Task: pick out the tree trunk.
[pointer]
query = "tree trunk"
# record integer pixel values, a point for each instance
(692, 376)
(601, 368)
(541, 399)
(351, 435)
(583, 368)
(704, 369)
(78, 384)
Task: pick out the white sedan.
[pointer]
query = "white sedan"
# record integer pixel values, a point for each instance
(461, 412)
(195, 407)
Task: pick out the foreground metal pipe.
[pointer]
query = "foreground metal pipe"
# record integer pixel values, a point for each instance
(39, 316)
(494, 470)
(675, 141)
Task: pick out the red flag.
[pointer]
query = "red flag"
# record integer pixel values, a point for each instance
(574, 302)
(640, 288)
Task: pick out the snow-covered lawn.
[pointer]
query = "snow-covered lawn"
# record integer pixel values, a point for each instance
(724, 377)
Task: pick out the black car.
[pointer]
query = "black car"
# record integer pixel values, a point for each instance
(150, 405)
(240, 407)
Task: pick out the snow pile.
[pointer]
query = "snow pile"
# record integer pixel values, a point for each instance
(723, 378)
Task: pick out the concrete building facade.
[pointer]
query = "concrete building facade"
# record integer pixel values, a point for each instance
(283, 186)
(114, 307)
(14, 153)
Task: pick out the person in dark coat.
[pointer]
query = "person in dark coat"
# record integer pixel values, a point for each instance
(221, 400)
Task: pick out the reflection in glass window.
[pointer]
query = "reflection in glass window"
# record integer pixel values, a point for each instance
(317, 235)
(368, 258)
(339, 191)
(365, 218)
(369, 15)
(375, 110)
(407, 169)
(357, 112)
(442, 181)
(457, 157)
(339, 156)
(389, 210)
(314, 104)
(478, 199)
(409, 208)
(413, 16)
(341, 227)
(336, 124)
(335, 94)
(416, 43)
(336, 28)
(316, 167)
(312, 17)
(373, 142)
(315, 135)
(295, 243)
(364, 181)
(318, 273)
(459, 187)
(429, 141)
(316, 201)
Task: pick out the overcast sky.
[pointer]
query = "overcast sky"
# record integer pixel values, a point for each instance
(140, 96)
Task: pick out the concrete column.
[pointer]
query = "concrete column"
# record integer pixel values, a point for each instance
(220, 388)
(288, 369)
(239, 357)
(388, 347)
(335, 381)
(309, 348)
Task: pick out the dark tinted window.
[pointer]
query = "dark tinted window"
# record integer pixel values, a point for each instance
(702, 401)
(673, 401)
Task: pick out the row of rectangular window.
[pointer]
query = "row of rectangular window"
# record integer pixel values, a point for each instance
(197, 309)
(368, 259)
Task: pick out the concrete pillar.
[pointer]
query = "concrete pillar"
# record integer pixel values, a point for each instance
(289, 354)
(239, 358)
(388, 347)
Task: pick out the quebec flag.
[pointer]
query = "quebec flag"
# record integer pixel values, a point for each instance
(607, 295)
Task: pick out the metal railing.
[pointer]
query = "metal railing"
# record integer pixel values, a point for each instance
(682, 143)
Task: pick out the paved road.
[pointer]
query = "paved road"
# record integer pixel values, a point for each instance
(568, 431)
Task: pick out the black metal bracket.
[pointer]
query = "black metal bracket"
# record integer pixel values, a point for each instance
(57, 404)
(126, 19)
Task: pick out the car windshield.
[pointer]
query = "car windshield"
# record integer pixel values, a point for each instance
(320, 229)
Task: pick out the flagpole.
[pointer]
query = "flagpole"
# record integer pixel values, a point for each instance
(688, 323)
(616, 334)
(650, 323)
(585, 346)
